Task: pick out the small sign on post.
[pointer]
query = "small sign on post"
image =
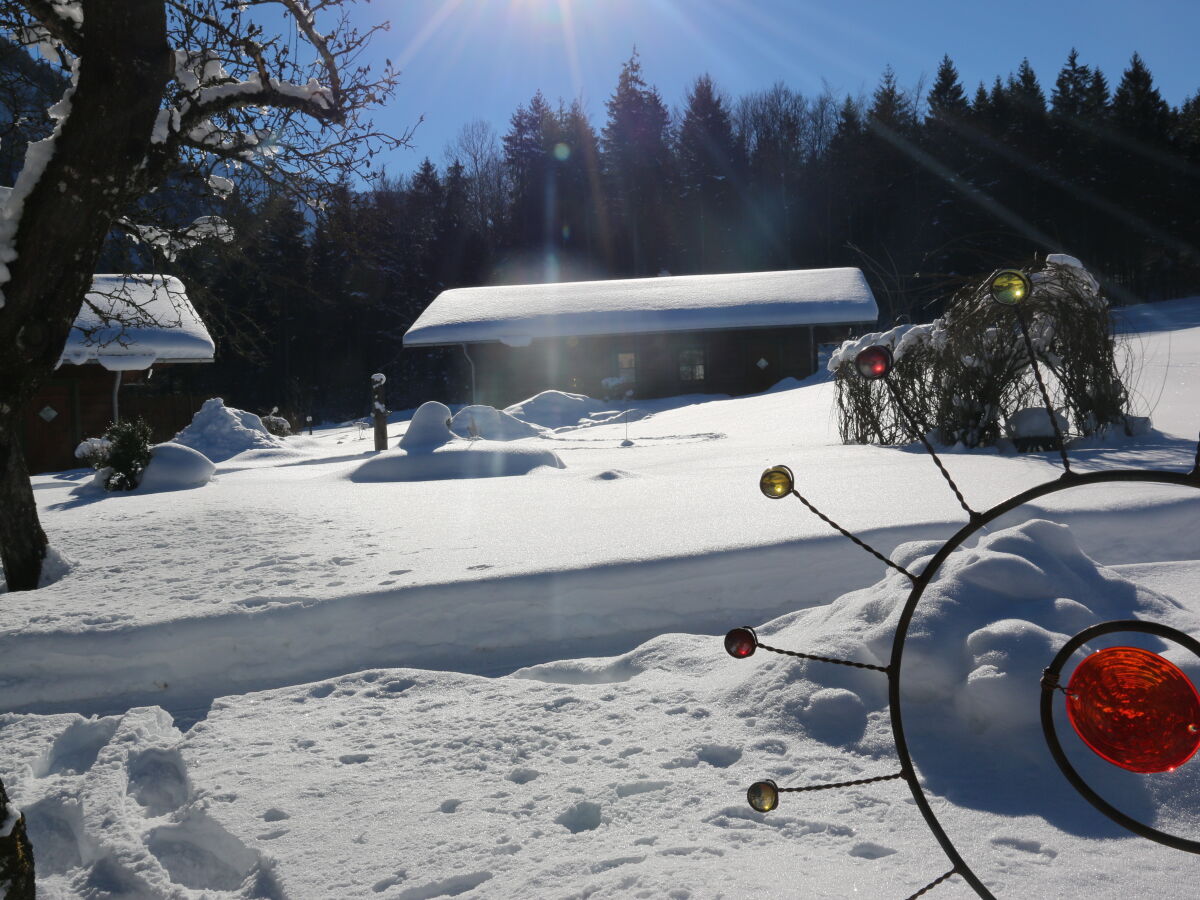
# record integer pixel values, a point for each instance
(379, 410)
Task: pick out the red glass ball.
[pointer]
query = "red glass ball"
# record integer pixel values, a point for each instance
(741, 642)
(874, 362)
(1136, 709)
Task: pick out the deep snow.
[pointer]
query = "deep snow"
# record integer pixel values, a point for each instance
(362, 744)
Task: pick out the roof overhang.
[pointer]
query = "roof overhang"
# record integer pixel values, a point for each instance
(132, 322)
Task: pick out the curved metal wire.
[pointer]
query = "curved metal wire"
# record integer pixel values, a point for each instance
(1050, 683)
(895, 681)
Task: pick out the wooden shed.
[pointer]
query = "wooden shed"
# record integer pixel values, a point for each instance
(734, 333)
(130, 328)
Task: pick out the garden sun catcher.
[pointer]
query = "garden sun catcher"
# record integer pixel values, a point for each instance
(1132, 707)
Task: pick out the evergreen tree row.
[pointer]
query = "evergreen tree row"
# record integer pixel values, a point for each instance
(919, 189)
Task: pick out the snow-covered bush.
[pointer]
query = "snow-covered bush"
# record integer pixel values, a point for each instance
(174, 467)
(219, 431)
(276, 424)
(128, 454)
(93, 452)
(963, 375)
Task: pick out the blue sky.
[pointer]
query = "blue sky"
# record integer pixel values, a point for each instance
(479, 59)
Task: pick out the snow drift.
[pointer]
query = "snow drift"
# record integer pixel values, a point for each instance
(491, 424)
(430, 451)
(175, 467)
(220, 432)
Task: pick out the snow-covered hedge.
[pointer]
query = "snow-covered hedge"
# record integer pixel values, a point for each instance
(965, 375)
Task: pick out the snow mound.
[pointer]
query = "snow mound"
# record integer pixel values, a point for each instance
(219, 432)
(556, 409)
(455, 459)
(990, 621)
(430, 451)
(1034, 422)
(491, 424)
(429, 428)
(175, 467)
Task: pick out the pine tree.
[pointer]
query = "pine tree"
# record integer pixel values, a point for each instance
(1071, 88)
(527, 148)
(1026, 111)
(580, 202)
(1187, 127)
(708, 168)
(891, 107)
(637, 173)
(1096, 101)
(981, 107)
(1137, 107)
(947, 101)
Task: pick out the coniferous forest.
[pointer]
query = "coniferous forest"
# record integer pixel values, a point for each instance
(921, 187)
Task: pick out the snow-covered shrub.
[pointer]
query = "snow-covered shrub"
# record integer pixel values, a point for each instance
(866, 413)
(963, 375)
(220, 432)
(128, 454)
(93, 452)
(174, 467)
(276, 424)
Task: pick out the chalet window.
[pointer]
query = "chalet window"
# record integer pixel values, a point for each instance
(691, 364)
(627, 368)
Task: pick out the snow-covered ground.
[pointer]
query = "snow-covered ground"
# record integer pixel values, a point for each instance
(295, 682)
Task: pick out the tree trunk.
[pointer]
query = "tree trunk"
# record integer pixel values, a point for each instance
(22, 541)
(16, 856)
(93, 175)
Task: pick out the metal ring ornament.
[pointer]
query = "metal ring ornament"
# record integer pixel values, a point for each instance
(1067, 481)
(1049, 682)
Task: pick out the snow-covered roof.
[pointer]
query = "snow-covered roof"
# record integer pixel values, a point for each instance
(131, 322)
(517, 314)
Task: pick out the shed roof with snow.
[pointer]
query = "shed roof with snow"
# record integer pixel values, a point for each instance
(131, 322)
(517, 314)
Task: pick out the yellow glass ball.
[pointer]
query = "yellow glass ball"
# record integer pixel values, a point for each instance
(763, 796)
(1009, 287)
(777, 482)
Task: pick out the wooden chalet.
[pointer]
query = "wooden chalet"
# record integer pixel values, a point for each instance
(731, 333)
(130, 329)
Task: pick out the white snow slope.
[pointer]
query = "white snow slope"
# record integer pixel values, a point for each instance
(290, 684)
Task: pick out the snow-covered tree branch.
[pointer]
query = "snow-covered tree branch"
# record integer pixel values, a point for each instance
(175, 93)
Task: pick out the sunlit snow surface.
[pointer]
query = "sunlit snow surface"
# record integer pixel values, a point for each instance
(366, 744)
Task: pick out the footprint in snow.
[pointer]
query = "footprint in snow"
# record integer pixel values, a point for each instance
(868, 850)
(1025, 846)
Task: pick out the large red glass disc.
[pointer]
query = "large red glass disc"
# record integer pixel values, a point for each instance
(1135, 709)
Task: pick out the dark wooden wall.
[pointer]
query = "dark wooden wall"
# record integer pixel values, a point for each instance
(81, 397)
(506, 375)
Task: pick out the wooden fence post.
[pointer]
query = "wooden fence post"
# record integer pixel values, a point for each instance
(379, 410)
